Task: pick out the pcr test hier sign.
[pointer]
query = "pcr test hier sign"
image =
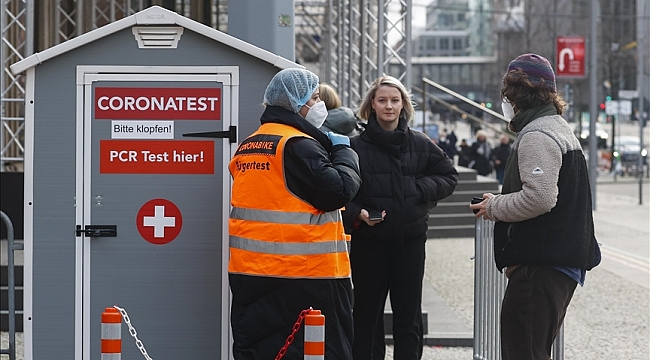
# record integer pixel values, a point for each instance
(156, 157)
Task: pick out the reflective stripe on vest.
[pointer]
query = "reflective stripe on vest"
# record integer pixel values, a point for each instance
(278, 248)
(285, 217)
(273, 232)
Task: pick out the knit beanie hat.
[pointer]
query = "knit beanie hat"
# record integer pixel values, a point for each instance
(537, 68)
(291, 89)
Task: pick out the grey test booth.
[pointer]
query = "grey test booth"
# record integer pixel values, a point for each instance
(120, 207)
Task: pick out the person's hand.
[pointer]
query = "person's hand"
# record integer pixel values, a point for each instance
(338, 139)
(482, 207)
(365, 217)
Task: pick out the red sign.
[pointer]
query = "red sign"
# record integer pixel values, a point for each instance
(158, 103)
(570, 59)
(159, 221)
(156, 157)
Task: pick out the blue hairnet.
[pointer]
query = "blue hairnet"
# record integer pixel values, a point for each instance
(291, 89)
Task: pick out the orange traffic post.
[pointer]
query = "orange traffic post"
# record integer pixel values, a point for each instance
(111, 334)
(314, 335)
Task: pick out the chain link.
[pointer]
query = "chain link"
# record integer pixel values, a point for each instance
(133, 333)
(291, 336)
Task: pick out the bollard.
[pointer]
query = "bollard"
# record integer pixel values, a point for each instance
(111, 334)
(314, 335)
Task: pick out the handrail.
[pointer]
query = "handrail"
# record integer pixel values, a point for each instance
(455, 108)
(469, 101)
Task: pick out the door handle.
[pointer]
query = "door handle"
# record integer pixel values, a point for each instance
(97, 230)
(231, 134)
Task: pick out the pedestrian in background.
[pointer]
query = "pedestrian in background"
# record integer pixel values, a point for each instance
(340, 119)
(403, 175)
(287, 245)
(481, 154)
(464, 153)
(544, 231)
(453, 139)
(445, 143)
(500, 155)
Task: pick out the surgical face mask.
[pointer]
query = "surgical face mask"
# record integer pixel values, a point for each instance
(508, 111)
(317, 114)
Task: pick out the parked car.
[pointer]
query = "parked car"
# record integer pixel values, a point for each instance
(582, 133)
(627, 150)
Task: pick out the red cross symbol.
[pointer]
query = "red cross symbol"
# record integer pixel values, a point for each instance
(159, 221)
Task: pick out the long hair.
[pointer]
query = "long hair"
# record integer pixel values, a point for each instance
(524, 95)
(365, 109)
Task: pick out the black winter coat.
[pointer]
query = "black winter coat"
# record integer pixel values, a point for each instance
(404, 173)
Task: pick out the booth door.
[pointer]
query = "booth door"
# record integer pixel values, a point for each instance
(155, 212)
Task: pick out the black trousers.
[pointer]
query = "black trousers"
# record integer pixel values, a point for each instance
(532, 311)
(379, 268)
(264, 312)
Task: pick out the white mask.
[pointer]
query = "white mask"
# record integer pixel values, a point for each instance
(316, 114)
(508, 111)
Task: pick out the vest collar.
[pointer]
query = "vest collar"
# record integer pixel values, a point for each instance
(279, 115)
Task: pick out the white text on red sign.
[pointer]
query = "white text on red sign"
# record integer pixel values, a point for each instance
(158, 103)
(149, 156)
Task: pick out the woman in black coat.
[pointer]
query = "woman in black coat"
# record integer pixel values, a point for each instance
(481, 155)
(403, 175)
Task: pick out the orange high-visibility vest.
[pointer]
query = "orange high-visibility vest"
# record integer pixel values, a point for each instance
(273, 232)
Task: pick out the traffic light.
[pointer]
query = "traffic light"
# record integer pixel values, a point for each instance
(488, 105)
(608, 98)
(602, 106)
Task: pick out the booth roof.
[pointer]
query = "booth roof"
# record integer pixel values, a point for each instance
(154, 15)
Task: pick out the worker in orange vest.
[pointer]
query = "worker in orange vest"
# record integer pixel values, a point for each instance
(288, 249)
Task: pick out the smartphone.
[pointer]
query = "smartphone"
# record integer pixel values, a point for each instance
(374, 215)
(476, 200)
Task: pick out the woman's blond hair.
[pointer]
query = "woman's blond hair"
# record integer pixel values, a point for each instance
(365, 109)
(329, 96)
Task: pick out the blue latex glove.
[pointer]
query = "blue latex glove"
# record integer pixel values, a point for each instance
(338, 139)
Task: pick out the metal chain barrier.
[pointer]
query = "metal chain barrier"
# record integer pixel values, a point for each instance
(291, 337)
(134, 333)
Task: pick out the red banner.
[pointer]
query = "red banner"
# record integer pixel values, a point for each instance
(156, 157)
(158, 103)
(570, 60)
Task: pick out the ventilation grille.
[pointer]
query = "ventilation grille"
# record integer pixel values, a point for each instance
(149, 37)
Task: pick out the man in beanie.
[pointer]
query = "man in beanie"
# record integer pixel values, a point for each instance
(288, 249)
(544, 231)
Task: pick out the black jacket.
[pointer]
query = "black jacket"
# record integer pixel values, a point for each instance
(403, 173)
(501, 153)
(481, 158)
(323, 175)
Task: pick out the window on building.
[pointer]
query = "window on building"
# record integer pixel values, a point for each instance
(444, 44)
(445, 19)
(431, 44)
(455, 75)
(465, 75)
(461, 17)
(457, 44)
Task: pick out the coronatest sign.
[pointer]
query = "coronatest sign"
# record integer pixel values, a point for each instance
(158, 103)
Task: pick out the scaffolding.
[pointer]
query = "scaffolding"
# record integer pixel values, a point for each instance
(347, 42)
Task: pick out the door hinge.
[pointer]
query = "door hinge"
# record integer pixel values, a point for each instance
(97, 230)
(231, 134)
